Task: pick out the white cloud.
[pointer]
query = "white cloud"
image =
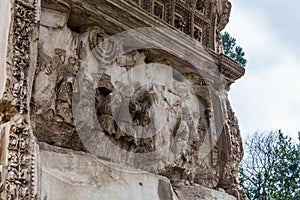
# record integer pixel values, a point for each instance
(267, 97)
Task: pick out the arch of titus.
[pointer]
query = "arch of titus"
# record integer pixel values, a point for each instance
(117, 99)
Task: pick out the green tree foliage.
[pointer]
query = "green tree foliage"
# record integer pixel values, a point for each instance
(271, 168)
(231, 50)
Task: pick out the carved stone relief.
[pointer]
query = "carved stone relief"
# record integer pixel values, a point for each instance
(179, 22)
(124, 111)
(20, 167)
(52, 99)
(198, 34)
(135, 113)
(18, 170)
(158, 10)
(234, 154)
(182, 14)
(201, 7)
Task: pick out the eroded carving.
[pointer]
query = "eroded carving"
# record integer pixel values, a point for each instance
(158, 10)
(179, 22)
(18, 181)
(96, 36)
(52, 98)
(23, 25)
(126, 111)
(198, 34)
(136, 117)
(234, 154)
(20, 170)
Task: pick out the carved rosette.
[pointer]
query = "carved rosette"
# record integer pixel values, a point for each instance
(19, 174)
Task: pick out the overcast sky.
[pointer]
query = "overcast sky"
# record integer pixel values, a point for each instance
(268, 96)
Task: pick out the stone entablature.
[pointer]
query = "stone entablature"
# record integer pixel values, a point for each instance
(214, 20)
(231, 69)
(196, 18)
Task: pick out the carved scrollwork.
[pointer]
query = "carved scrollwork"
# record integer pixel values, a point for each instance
(18, 180)
(23, 25)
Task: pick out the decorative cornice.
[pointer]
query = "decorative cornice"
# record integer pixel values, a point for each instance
(187, 9)
(231, 69)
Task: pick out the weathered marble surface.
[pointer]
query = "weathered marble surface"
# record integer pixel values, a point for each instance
(83, 176)
(67, 175)
(5, 19)
(50, 42)
(198, 192)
